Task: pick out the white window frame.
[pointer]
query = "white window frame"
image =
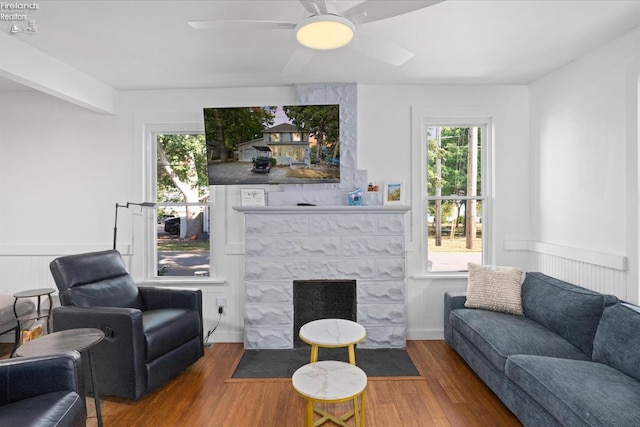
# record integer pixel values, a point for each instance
(424, 118)
(150, 245)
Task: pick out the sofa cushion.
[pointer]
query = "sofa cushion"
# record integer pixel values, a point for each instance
(494, 288)
(499, 335)
(168, 328)
(578, 393)
(568, 310)
(617, 341)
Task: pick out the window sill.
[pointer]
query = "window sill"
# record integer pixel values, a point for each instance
(440, 276)
(187, 282)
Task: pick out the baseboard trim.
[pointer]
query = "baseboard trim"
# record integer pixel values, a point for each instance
(425, 334)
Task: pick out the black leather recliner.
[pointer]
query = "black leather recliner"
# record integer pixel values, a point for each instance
(151, 334)
(43, 391)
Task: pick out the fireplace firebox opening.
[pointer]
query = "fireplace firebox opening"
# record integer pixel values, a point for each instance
(322, 299)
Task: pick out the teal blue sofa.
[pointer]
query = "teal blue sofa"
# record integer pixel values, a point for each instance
(573, 359)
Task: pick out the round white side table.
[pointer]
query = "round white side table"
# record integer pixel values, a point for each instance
(331, 381)
(332, 333)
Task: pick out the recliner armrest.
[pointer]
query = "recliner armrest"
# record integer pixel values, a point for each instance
(68, 317)
(124, 345)
(125, 322)
(24, 377)
(156, 298)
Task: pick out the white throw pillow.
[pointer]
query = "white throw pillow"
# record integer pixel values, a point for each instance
(495, 288)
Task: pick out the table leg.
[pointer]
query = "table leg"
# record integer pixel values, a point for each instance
(314, 353)
(352, 354)
(356, 411)
(362, 408)
(16, 342)
(96, 396)
(309, 416)
(49, 313)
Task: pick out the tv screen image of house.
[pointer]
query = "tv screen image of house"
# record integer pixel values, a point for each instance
(295, 144)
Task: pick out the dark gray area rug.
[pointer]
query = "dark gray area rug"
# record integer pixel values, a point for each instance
(383, 362)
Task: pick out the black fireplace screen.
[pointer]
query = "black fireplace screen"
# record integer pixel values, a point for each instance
(322, 299)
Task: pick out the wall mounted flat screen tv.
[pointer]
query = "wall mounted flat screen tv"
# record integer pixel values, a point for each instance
(296, 144)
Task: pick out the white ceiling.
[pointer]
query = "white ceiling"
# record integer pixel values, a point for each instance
(149, 45)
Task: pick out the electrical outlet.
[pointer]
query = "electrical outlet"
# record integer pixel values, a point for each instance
(221, 302)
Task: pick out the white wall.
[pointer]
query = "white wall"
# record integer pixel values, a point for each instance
(385, 149)
(72, 165)
(584, 141)
(63, 168)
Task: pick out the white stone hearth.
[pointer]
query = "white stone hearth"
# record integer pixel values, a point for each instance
(287, 243)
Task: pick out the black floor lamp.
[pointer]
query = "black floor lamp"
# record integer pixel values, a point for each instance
(115, 225)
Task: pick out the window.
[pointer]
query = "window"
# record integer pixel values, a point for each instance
(182, 193)
(299, 154)
(455, 195)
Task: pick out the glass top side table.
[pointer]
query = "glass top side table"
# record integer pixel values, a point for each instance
(37, 315)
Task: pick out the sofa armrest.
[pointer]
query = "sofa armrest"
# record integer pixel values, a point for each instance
(25, 377)
(452, 300)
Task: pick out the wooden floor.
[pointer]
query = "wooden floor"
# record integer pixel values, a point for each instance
(448, 394)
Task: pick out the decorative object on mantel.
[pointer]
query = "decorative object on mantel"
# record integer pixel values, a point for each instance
(252, 197)
(393, 193)
(356, 197)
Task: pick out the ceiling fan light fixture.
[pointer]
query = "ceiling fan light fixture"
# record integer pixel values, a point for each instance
(325, 32)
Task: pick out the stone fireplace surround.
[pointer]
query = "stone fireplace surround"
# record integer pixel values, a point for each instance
(287, 243)
(284, 242)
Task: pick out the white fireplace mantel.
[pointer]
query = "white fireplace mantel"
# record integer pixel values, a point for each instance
(322, 209)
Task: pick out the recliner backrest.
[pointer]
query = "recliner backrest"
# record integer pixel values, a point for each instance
(95, 279)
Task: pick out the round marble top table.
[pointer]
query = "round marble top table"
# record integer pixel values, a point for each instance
(331, 381)
(332, 333)
(61, 342)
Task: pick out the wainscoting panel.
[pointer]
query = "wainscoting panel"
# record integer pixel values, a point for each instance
(601, 272)
(594, 277)
(25, 272)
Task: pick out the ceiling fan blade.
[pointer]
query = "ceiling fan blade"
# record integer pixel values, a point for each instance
(381, 49)
(315, 7)
(298, 60)
(215, 24)
(370, 11)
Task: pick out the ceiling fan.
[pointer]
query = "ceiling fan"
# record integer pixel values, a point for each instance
(340, 28)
